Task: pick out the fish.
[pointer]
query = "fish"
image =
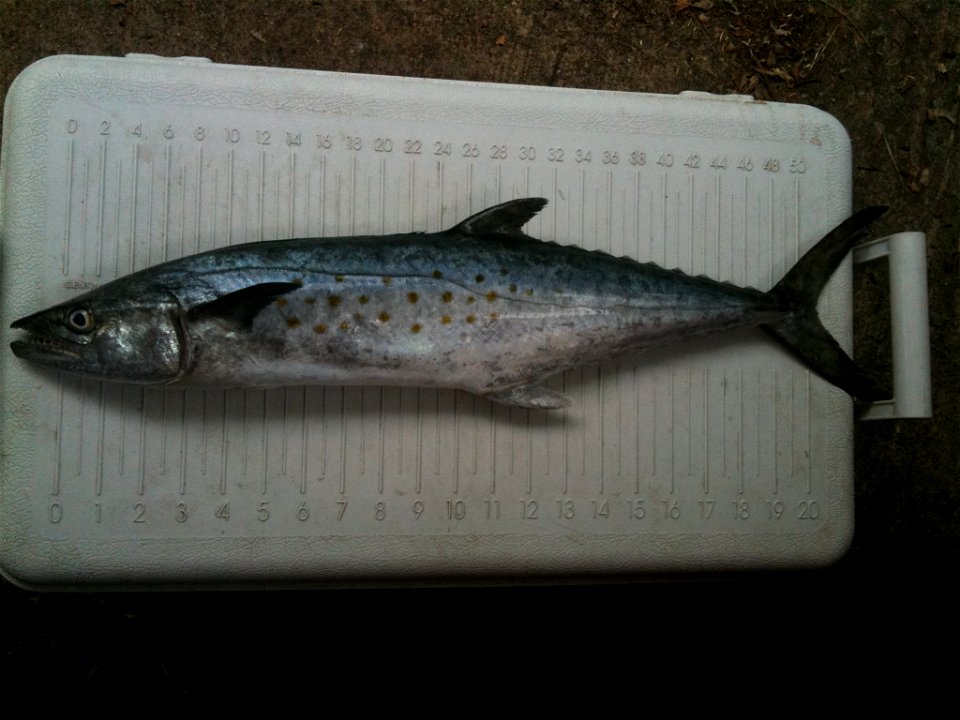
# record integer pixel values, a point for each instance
(482, 307)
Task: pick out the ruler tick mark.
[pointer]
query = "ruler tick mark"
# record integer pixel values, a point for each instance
(80, 427)
(183, 443)
(223, 440)
(304, 440)
(380, 443)
(261, 194)
(101, 423)
(150, 194)
(101, 205)
(67, 225)
(141, 449)
(343, 442)
(263, 442)
(181, 202)
(292, 190)
(166, 202)
(57, 468)
(116, 237)
(231, 192)
(83, 216)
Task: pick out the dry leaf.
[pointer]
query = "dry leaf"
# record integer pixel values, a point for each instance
(919, 178)
(502, 40)
(937, 113)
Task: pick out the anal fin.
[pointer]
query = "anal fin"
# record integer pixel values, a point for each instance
(532, 396)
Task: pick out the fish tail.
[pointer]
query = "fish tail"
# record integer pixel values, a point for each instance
(801, 330)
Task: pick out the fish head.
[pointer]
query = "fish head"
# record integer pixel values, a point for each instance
(125, 337)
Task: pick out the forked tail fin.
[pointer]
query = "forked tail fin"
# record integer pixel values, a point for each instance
(801, 330)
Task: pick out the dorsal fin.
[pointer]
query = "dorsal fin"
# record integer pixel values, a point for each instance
(504, 219)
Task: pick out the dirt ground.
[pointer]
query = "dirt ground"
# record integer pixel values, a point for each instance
(889, 71)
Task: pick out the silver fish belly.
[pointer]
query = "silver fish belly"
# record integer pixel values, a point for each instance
(481, 307)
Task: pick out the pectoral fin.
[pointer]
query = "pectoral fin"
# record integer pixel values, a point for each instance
(532, 396)
(242, 306)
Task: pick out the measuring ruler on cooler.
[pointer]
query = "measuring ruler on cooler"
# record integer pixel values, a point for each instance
(717, 454)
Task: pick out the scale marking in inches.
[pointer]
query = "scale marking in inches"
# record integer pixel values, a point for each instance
(665, 447)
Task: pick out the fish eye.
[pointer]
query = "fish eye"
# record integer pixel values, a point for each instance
(80, 320)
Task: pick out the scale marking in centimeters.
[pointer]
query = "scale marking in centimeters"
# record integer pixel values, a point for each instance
(695, 449)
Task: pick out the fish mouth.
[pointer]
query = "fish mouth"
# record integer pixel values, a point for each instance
(42, 346)
(45, 350)
(30, 322)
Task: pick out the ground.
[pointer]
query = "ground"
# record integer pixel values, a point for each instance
(889, 71)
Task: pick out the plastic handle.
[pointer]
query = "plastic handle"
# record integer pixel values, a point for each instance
(910, 324)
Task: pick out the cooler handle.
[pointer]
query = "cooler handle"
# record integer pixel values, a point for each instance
(910, 324)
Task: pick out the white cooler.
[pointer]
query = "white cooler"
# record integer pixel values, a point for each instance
(712, 455)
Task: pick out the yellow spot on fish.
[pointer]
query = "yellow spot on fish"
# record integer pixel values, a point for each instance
(363, 299)
(344, 325)
(334, 300)
(412, 297)
(437, 274)
(293, 322)
(386, 280)
(513, 288)
(384, 316)
(298, 282)
(471, 299)
(358, 317)
(471, 318)
(446, 320)
(320, 329)
(494, 316)
(338, 278)
(480, 278)
(447, 296)
(310, 300)
(416, 327)
(281, 302)
(528, 292)
(504, 271)
(491, 296)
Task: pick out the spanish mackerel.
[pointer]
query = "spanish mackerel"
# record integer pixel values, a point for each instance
(481, 307)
